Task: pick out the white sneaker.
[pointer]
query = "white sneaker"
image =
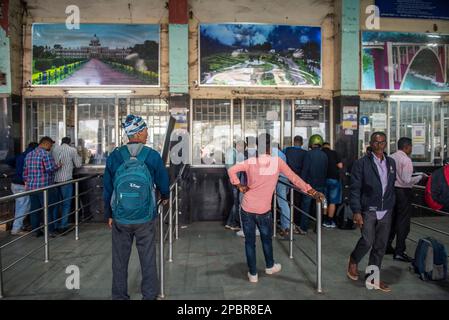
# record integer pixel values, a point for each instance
(333, 225)
(274, 269)
(252, 278)
(240, 233)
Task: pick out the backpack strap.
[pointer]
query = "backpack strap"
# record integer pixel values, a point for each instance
(143, 154)
(124, 153)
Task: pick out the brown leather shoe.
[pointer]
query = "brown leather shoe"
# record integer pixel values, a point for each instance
(352, 272)
(382, 287)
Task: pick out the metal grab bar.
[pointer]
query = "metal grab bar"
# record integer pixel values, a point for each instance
(319, 205)
(45, 207)
(172, 216)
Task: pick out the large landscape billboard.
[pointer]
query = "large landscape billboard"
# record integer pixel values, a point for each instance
(95, 55)
(405, 61)
(260, 55)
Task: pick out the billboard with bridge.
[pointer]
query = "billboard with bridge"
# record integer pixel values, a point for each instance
(260, 55)
(405, 61)
(95, 55)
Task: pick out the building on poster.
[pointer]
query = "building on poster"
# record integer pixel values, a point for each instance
(96, 55)
(260, 55)
(405, 61)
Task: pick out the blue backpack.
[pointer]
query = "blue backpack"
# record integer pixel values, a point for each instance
(133, 198)
(430, 260)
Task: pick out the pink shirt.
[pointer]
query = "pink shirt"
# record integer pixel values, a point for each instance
(263, 173)
(404, 170)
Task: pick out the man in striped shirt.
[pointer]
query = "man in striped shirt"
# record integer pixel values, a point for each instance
(68, 159)
(38, 172)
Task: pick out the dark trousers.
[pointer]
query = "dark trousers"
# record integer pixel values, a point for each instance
(400, 226)
(265, 224)
(37, 202)
(122, 241)
(234, 216)
(375, 235)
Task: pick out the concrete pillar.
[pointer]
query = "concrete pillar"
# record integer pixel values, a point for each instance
(348, 46)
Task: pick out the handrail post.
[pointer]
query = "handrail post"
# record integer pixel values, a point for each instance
(170, 228)
(46, 251)
(77, 211)
(318, 245)
(292, 195)
(161, 251)
(274, 214)
(1, 275)
(176, 212)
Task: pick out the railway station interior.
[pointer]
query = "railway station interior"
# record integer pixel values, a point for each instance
(206, 75)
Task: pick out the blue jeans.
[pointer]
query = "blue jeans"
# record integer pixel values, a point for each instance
(233, 218)
(265, 224)
(281, 191)
(22, 207)
(64, 193)
(305, 206)
(122, 242)
(37, 202)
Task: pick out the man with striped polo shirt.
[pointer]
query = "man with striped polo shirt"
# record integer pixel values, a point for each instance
(68, 159)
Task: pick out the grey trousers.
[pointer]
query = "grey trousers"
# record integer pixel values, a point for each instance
(375, 235)
(122, 241)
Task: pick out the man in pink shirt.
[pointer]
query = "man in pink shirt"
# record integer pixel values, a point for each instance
(405, 180)
(262, 176)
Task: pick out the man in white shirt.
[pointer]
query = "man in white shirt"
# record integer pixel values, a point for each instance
(403, 189)
(68, 158)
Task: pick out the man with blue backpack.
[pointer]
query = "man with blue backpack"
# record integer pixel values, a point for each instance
(131, 174)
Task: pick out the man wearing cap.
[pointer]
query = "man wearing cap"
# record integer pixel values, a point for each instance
(144, 230)
(39, 172)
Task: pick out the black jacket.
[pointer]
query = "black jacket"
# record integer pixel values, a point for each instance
(295, 158)
(314, 170)
(366, 187)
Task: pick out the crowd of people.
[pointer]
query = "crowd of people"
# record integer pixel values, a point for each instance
(41, 165)
(380, 196)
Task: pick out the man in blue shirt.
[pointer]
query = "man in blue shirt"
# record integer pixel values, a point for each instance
(295, 160)
(123, 233)
(22, 204)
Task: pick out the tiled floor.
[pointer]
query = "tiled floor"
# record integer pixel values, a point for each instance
(210, 264)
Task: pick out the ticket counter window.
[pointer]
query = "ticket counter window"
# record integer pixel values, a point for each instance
(156, 115)
(263, 116)
(211, 131)
(311, 117)
(96, 129)
(44, 117)
(422, 121)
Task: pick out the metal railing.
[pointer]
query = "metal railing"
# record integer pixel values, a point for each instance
(46, 245)
(317, 219)
(172, 214)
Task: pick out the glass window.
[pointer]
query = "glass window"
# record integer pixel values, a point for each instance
(211, 132)
(311, 117)
(415, 121)
(238, 130)
(376, 111)
(44, 117)
(441, 145)
(288, 141)
(96, 129)
(263, 116)
(156, 115)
